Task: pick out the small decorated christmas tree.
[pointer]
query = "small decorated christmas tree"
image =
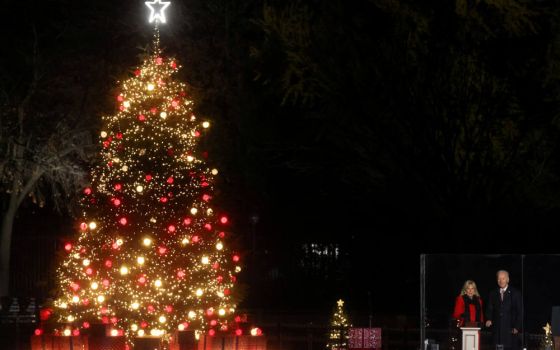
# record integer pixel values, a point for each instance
(338, 335)
(547, 343)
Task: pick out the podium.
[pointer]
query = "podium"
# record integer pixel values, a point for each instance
(471, 338)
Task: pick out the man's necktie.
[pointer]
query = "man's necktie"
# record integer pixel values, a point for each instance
(501, 294)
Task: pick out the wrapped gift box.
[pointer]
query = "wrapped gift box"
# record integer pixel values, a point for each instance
(147, 343)
(53, 342)
(106, 343)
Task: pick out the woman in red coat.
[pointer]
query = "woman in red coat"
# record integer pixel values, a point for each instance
(468, 305)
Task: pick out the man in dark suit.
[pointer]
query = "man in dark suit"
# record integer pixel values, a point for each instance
(503, 313)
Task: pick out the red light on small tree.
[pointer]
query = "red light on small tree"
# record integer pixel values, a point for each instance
(224, 219)
(118, 187)
(87, 191)
(68, 247)
(38, 331)
(170, 180)
(235, 258)
(211, 332)
(123, 221)
(187, 221)
(238, 332)
(83, 226)
(85, 324)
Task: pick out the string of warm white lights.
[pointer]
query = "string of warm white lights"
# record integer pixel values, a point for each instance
(151, 256)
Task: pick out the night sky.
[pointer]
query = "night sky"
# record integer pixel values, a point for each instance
(381, 129)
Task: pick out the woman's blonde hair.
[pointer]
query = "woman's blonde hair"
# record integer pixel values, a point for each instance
(467, 284)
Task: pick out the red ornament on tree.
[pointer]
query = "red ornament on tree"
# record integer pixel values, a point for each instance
(45, 313)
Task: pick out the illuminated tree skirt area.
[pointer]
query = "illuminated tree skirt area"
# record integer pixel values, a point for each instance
(179, 341)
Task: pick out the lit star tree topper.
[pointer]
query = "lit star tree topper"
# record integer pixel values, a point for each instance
(338, 335)
(157, 10)
(152, 253)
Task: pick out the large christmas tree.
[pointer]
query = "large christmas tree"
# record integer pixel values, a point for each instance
(151, 256)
